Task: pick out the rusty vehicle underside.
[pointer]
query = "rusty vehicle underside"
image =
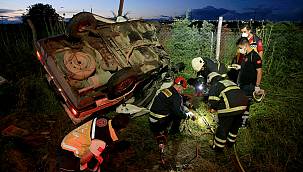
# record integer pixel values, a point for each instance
(98, 64)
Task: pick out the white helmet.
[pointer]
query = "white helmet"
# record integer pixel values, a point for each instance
(197, 63)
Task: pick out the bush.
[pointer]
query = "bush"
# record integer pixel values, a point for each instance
(187, 42)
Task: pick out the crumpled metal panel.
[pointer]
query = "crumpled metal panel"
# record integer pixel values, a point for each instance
(138, 43)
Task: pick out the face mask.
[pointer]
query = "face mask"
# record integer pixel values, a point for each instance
(242, 50)
(245, 35)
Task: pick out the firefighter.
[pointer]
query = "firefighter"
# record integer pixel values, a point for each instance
(92, 140)
(167, 109)
(230, 102)
(204, 66)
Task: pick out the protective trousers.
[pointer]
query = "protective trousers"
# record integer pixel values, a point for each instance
(248, 90)
(227, 131)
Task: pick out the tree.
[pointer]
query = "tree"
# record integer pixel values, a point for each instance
(43, 16)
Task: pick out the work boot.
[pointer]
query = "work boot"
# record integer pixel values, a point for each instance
(214, 147)
(245, 119)
(175, 127)
(229, 144)
(174, 132)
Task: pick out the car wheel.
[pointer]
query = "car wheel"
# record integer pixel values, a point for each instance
(80, 24)
(121, 82)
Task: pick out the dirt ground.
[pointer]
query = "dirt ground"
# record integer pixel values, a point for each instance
(37, 143)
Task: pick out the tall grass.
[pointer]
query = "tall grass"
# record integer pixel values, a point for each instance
(273, 140)
(59, 27)
(19, 65)
(29, 102)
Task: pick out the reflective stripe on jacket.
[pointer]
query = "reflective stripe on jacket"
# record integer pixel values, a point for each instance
(227, 98)
(167, 102)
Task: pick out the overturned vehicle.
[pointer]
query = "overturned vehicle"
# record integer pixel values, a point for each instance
(100, 63)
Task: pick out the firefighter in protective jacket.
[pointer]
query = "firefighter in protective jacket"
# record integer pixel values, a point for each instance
(89, 141)
(167, 108)
(230, 102)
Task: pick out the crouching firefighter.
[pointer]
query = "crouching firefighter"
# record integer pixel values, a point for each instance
(92, 141)
(167, 109)
(230, 102)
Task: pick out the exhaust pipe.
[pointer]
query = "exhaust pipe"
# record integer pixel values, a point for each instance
(120, 18)
(120, 11)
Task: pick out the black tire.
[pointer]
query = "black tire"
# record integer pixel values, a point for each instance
(79, 20)
(121, 82)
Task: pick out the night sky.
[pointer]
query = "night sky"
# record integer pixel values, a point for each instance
(154, 8)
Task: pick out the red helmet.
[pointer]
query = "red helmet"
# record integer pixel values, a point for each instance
(181, 81)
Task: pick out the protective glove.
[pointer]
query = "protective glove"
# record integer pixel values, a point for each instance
(212, 110)
(235, 66)
(94, 162)
(258, 94)
(188, 104)
(257, 89)
(190, 115)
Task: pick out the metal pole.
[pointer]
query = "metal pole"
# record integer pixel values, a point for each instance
(120, 8)
(219, 37)
(212, 44)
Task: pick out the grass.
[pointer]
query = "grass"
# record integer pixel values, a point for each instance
(275, 135)
(29, 103)
(272, 143)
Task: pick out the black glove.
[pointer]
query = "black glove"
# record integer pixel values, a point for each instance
(192, 81)
(92, 163)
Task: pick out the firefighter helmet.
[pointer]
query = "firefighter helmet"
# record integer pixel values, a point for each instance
(181, 81)
(197, 63)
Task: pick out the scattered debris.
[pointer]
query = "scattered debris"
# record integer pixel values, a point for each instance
(3, 80)
(12, 130)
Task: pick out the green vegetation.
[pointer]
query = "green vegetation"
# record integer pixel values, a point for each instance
(186, 43)
(273, 140)
(27, 102)
(45, 20)
(275, 136)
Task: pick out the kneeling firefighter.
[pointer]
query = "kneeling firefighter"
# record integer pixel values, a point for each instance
(167, 109)
(230, 102)
(92, 142)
